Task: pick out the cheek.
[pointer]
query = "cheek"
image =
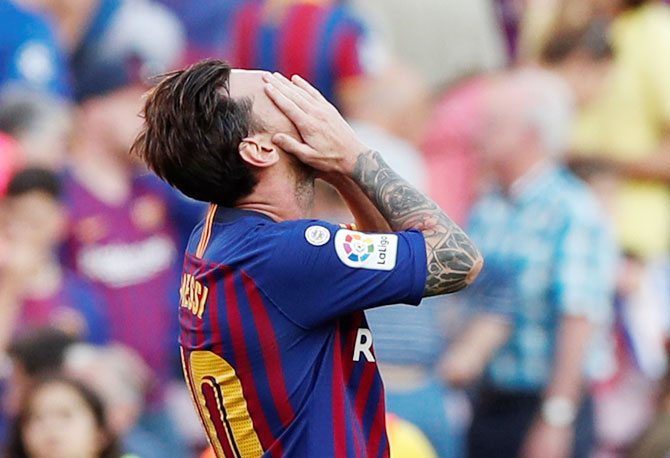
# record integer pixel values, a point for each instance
(37, 439)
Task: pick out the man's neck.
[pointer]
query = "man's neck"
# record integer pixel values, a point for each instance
(277, 199)
(527, 177)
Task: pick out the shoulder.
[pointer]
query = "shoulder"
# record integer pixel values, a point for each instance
(251, 239)
(578, 202)
(490, 205)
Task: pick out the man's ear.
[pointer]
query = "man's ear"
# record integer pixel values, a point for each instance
(258, 153)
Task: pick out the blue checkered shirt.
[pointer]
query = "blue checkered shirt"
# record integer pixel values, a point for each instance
(549, 253)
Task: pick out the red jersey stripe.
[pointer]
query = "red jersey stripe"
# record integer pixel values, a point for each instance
(213, 313)
(347, 62)
(270, 349)
(247, 23)
(339, 421)
(243, 365)
(357, 444)
(297, 53)
(363, 392)
(378, 428)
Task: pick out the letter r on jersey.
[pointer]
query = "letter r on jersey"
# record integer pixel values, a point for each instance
(363, 345)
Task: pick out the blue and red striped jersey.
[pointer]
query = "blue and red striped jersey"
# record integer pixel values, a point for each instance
(276, 349)
(128, 251)
(323, 43)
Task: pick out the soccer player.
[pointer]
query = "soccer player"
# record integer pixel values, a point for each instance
(276, 350)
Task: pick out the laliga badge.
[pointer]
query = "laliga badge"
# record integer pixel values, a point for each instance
(366, 251)
(317, 235)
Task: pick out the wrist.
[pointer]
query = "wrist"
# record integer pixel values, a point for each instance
(353, 159)
(558, 411)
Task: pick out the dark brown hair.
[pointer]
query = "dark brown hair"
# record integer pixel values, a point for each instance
(16, 447)
(591, 39)
(192, 132)
(635, 3)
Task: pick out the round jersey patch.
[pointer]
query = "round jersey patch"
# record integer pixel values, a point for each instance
(317, 235)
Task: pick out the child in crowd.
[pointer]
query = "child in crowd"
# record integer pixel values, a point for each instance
(35, 290)
(62, 418)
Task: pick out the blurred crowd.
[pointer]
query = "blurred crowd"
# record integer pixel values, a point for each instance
(540, 126)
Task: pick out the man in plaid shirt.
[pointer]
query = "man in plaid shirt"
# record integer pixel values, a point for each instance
(547, 286)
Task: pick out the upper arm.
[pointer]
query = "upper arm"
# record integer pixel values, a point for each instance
(317, 272)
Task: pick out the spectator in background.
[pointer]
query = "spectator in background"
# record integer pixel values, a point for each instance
(394, 124)
(120, 377)
(33, 356)
(581, 57)
(450, 145)
(124, 240)
(324, 42)
(545, 238)
(36, 291)
(107, 39)
(63, 418)
(30, 55)
(207, 26)
(40, 123)
(625, 131)
(543, 18)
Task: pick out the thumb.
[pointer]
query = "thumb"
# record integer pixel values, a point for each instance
(293, 146)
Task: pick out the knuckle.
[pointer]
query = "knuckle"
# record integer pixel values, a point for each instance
(320, 114)
(309, 127)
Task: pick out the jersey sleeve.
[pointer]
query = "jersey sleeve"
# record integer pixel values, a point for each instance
(315, 272)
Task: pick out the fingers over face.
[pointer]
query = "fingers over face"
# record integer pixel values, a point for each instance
(293, 146)
(299, 96)
(292, 111)
(308, 88)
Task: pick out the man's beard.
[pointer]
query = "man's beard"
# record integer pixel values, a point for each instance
(304, 186)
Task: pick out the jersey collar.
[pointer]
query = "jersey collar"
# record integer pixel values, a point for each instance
(229, 215)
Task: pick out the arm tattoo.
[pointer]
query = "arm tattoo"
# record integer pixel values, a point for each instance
(452, 257)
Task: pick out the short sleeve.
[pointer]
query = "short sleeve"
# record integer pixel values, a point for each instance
(585, 270)
(315, 272)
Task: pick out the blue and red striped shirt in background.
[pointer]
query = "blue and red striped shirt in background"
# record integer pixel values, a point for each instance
(276, 348)
(323, 41)
(129, 251)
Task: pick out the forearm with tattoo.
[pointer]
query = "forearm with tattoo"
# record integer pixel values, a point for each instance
(453, 260)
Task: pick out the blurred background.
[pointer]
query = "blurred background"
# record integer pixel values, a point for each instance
(541, 126)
